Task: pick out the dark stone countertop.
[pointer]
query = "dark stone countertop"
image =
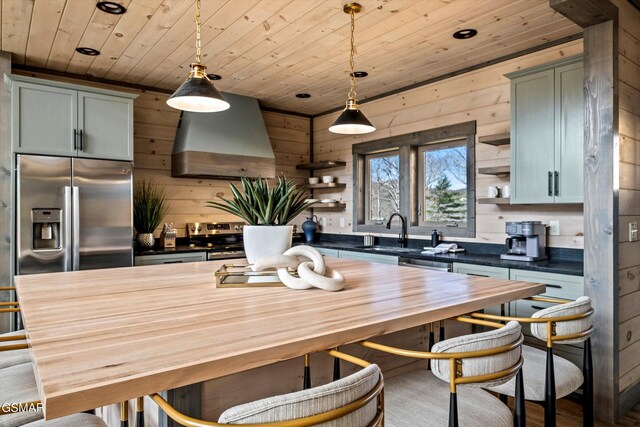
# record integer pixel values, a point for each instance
(162, 251)
(561, 261)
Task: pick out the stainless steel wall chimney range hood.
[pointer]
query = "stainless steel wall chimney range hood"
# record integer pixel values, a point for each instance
(227, 144)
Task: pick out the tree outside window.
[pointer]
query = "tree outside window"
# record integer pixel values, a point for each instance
(384, 186)
(445, 184)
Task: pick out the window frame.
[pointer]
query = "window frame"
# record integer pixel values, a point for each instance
(408, 146)
(367, 174)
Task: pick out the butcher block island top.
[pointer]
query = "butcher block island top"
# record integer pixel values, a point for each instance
(103, 336)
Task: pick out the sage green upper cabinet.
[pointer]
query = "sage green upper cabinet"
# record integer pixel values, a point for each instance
(43, 119)
(52, 118)
(547, 133)
(106, 123)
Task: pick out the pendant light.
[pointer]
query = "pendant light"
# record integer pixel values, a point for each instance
(351, 121)
(197, 93)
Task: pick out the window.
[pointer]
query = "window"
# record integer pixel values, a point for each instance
(426, 176)
(383, 186)
(443, 184)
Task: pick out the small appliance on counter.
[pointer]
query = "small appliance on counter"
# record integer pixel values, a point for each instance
(221, 240)
(526, 242)
(168, 236)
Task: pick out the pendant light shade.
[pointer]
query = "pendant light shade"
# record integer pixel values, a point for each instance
(197, 93)
(352, 121)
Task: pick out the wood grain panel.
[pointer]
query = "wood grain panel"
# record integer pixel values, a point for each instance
(272, 49)
(482, 95)
(95, 356)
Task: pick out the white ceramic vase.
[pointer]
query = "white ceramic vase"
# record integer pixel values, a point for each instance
(266, 240)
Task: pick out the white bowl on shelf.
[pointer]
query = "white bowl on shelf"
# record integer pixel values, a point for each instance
(328, 201)
(327, 179)
(314, 180)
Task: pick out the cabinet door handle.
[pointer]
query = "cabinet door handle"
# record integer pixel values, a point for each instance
(537, 307)
(81, 140)
(75, 139)
(553, 286)
(173, 262)
(556, 183)
(550, 183)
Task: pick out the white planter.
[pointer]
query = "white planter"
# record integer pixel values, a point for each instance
(266, 240)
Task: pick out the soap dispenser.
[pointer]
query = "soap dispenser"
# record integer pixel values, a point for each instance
(435, 239)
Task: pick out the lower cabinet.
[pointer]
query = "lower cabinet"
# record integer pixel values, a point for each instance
(558, 286)
(170, 258)
(485, 271)
(361, 256)
(328, 252)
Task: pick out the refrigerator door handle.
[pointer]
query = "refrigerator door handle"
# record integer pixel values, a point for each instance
(68, 258)
(76, 228)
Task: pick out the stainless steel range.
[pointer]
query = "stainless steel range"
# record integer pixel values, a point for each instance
(221, 240)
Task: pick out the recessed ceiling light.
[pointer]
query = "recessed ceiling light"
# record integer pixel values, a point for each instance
(359, 74)
(111, 7)
(465, 34)
(303, 95)
(88, 51)
(214, 77)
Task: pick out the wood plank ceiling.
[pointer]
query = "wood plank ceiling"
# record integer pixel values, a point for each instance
(273, 49)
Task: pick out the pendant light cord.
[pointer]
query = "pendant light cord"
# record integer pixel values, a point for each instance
(198, 46)
(352, 92)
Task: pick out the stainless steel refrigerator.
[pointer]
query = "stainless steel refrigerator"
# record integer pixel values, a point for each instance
(73, 214)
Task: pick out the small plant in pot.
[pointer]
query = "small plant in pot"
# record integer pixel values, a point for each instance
(149, 208)
(267, 210)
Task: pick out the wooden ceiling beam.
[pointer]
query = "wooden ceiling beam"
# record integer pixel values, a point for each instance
(585, 12)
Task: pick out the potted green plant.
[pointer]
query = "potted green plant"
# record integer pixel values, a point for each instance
(267, 210)
(149, 208)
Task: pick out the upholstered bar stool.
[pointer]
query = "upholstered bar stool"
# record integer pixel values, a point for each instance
(353, 401)
(548, 377)
(466, 363)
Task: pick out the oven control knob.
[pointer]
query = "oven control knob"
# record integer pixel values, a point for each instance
(199, 228)
(193, 228)
(237, 227)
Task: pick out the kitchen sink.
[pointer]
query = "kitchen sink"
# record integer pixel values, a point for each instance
(385, 249)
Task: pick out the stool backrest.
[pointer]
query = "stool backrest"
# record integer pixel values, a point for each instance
(579, 306)
(313, 401)
(508, 335)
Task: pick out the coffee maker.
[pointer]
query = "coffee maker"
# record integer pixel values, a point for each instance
(526, 241)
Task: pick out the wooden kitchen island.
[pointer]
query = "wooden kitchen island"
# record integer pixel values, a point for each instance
(103, 336)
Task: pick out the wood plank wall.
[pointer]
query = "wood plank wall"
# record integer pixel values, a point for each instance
(629, 201)
(481, 95)
(155, 126)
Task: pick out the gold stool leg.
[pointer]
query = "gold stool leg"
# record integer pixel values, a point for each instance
(140, 412)
(306, 382)
(124, 414)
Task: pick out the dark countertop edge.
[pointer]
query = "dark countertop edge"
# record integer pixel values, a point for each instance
(558, 266)
(179, 249)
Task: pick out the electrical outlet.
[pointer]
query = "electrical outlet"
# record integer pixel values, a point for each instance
(324, 222)
(342, 222)
(554, 228)
(633, 231)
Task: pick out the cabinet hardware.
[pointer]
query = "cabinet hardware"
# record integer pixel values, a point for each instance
(553, 286)
(75, 139)
(173, 262)
(556, 183)
(81, 140)
(537, 307)
(549, 183)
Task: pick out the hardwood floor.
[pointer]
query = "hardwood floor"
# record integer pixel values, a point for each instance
(570, 415)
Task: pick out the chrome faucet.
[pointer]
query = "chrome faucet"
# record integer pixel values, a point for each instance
(402, 238)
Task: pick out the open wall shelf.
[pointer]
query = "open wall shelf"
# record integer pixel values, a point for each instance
(495, 140)
(326, 164)
(495, 170)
